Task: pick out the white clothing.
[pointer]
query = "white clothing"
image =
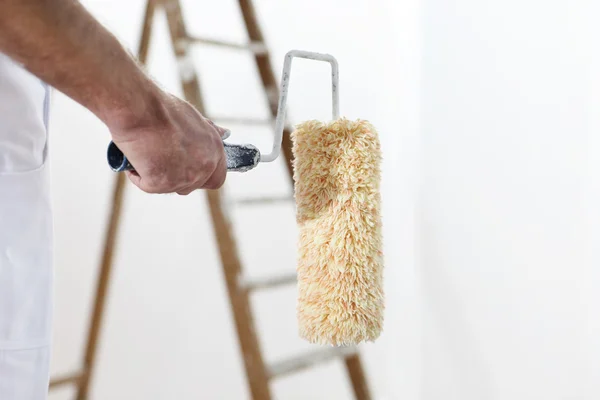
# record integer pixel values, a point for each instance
(26, 274)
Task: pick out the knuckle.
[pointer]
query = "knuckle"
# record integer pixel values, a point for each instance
(211, 165)
(190, 176)
(217, 179)
(206, 166)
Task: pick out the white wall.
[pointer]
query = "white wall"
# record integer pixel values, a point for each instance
(591, 294)
(168, 331)
(504, 269)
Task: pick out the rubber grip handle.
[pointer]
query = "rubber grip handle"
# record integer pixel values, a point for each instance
(240, 157)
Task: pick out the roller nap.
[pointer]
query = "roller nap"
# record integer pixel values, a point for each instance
(340, 262)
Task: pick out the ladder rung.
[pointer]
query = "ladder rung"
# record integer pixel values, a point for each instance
(296, 364)
(66, 380)
(254, 47)
(263, 200)
(240, 120)
(268, 282)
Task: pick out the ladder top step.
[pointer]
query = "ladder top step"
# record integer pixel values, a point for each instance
(253, 47)
(268, 282)
(305, 361)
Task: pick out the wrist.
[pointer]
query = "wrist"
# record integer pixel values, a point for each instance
(143, 106)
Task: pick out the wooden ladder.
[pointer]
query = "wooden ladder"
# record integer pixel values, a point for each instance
(258, 374)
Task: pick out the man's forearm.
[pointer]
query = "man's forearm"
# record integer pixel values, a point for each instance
(62, 44)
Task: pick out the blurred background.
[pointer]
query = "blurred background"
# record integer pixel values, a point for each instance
(488, 114)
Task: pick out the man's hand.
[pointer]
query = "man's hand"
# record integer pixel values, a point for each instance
(173, 148)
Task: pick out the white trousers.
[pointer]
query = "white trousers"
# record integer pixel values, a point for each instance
(24, 373)
(26, 275)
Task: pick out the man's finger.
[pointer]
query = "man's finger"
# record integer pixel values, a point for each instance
(222, 131)
(137, 181)
(217, 179)
(185, 192)
(148, 185)
(134, 177)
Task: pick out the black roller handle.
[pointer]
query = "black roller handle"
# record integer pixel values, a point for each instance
(240, 157)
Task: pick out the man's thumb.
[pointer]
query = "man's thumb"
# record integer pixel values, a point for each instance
(222, 131)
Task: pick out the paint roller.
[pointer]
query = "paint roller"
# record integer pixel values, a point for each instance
(337, 191)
